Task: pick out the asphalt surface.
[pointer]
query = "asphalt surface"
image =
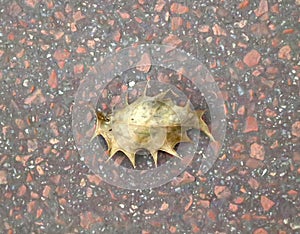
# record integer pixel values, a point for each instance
(251, 48)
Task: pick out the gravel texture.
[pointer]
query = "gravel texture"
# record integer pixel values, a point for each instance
(250, 47)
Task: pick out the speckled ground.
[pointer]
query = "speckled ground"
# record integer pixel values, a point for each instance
(251, 48)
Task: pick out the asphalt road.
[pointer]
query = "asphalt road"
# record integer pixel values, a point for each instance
(251, 49)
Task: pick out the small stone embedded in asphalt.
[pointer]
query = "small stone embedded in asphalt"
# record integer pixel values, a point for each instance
(172, 40)
(262, 8)
(37, 97)
(52, 81)
(31, 3)
(251, 124)
(177, 22)
(296, 129)
(252, 58)
(253, 183)
(144, 64)
(78, 68)
(14, 9)
(217, 30)
(178, 8)
(266, 203)
(3, 177)
(186, 178)
(260, 231)
(257, 151)
(285, 52)
(222, 192)
(260, 29)
(61, 55)
(159, 5)
(254, 163)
